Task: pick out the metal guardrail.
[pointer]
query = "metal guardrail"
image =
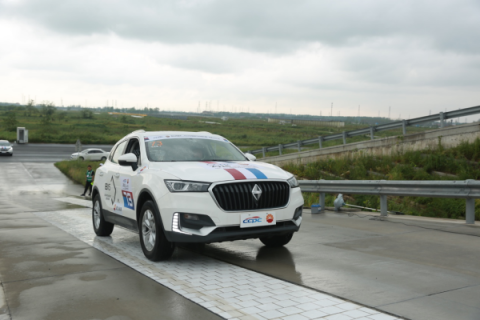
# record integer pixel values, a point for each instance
(442, 116)
(468, 190)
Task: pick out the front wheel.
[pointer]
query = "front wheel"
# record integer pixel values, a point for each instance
(82, 158)
(155, 245)
(277, 241)
(101, 227)
(103, 159)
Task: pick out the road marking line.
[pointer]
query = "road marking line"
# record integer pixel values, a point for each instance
(227, 290)
(3, 305)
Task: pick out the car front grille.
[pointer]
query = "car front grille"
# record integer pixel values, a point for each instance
(239, 196)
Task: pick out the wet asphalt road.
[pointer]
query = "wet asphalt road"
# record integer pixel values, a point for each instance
(37, 152)
(417, 268)
(46, 273)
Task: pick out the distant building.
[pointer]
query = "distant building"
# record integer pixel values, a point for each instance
(300, 122)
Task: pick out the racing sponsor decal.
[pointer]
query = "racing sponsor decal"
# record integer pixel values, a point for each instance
(270, 218)
(142, 169)
(239, 171)
(156, 144)
(128, 200)
(126, 183)
(112, 185)
(186, 136)
(117, 208)
(257, 219)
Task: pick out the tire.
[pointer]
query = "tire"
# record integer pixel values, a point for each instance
(101, 227)
(277, 241)
(81, 158)
(103, 159)
(155, 245)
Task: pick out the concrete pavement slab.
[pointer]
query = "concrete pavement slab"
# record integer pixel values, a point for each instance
(226, 290)
(370, 261)
(108, 294)
(462, 303)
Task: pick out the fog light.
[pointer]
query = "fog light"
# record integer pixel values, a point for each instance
(190, 216)
(195, 221)
(298, 213)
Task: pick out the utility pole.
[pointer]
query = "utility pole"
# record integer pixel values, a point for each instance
(389, 109)
(331, 110)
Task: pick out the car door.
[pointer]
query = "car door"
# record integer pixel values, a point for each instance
(92, 155)
(128, 181)
(112, 195)
(97, 155)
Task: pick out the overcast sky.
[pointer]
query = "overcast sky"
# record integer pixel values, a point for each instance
(413, 56)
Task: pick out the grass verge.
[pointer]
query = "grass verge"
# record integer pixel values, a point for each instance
(459, 163)
(76, 169)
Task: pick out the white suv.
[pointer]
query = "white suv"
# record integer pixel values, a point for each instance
(189, 187)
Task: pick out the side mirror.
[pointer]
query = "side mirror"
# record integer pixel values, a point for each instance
(250, 157)
(128, 160)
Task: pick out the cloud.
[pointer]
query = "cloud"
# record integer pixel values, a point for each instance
(302, 55)
(274, 26)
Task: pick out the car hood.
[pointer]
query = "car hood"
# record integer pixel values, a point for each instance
(213, 171)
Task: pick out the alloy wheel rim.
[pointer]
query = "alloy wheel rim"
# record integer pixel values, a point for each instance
(149, 232)
(96, 214)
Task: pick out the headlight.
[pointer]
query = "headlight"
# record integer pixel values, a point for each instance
(186, 186)
(293, 182)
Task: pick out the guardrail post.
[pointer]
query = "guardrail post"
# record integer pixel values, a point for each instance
(404, 127)
(470, 211)
(280, 148)
(321, 201)
(344, 137)
(372, 130)
(299, 143)
(320, 139)
(383, 206)
(263, 151)
(442, 120)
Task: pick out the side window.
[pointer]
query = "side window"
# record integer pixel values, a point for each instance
(134, 147)
(118, 152)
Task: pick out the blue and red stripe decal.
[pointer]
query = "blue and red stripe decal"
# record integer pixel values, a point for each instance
(246, 173)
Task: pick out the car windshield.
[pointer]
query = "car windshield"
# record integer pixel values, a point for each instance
(191, 149)
(4, 144)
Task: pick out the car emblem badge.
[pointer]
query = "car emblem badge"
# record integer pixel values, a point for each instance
(257, 192)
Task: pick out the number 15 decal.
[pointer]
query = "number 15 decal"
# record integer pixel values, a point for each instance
(128, 200)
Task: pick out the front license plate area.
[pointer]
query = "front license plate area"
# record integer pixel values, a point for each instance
(249, 220)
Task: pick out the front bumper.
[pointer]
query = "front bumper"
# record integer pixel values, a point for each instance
(5, 152)
(234, 233)
(225, 225)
